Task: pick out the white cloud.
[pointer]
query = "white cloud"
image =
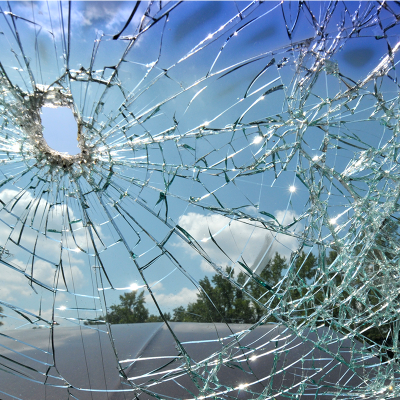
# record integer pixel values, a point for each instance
(44, 272)
(173, 300)
(206, 267)
(285, 244)
(15, 284)
(237, 239)
(109, 13)
(41, 218)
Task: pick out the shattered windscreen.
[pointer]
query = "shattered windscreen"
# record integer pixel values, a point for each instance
(225, 221)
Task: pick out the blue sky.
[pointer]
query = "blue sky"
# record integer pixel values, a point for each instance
(60, 129)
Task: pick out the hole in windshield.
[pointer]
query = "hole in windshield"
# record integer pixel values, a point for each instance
(60, 129)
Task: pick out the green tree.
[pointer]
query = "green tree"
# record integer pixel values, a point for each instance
(158, 318)
(242, 311)
(350, 305)
(298, 297)
(364, 297)
(130, 310)
(305, 266)
(179, 314)
(220, 301)
(271, 274)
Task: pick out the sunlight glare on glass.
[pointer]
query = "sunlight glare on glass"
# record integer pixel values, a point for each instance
(134, 286)
(292, 189)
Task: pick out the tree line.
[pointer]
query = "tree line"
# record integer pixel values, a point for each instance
(220, 301)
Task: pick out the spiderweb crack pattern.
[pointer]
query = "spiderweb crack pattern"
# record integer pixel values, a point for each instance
(236, 192)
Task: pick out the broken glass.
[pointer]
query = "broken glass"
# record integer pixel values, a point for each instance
(229, 226)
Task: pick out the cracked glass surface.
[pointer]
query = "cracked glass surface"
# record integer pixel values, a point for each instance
(229, 226)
